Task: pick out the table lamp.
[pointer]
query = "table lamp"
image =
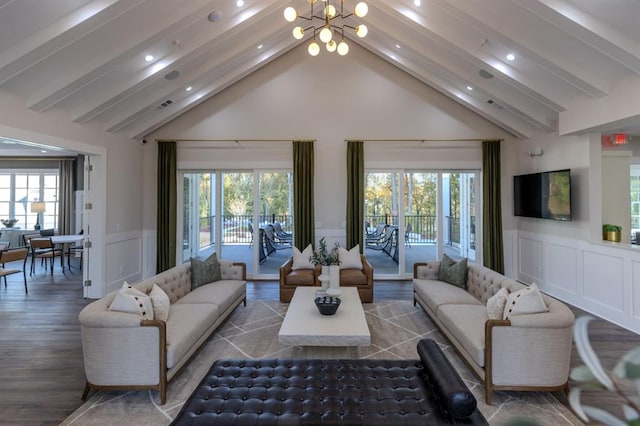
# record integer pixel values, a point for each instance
(37, 207)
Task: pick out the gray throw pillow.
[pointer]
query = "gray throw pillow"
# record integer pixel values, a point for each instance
(453, 272)
(204, 271)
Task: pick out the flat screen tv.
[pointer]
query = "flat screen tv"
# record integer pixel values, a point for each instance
(545, 195)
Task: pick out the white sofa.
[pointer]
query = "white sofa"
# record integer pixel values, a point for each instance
(123, 351)
(526, 352)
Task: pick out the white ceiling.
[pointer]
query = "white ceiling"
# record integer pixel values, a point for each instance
(86, 57)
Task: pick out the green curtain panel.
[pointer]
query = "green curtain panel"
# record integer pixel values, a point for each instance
(492, 246)
(303, 204)
(355, 194)
(167, 206)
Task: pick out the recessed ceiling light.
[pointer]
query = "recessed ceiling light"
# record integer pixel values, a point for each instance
(44, 151)
(240, 3)
(148, 58)
(417, 2)
(260, 46)
(511, 57)
(188, 89)
(469, 88)
(398, 46)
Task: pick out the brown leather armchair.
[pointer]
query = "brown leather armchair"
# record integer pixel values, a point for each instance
(290, 279)
(360, 278)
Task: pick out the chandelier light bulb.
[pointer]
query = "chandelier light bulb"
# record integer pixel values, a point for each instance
(334, 20)
(326, 35)
(361, 10)
(330, 11)
(313, 49)
(343, 48)
(298, 33)
(290, 14)
(362, 30)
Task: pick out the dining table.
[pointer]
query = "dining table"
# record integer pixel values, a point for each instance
(62, 241)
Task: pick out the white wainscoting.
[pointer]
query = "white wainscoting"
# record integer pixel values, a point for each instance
(598, 277)
(123, 259)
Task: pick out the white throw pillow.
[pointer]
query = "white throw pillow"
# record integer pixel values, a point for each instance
(350, 259)
(496, 304)
(160, 302)
(131, 300)
(301, 260)
(525, 301)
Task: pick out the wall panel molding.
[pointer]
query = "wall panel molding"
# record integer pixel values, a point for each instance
(597, 277)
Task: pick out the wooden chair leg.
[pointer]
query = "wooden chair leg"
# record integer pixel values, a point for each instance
(87, 388)
(24, 275)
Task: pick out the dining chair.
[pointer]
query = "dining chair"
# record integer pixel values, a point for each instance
(14, 255)
(73, 249)
(4, 245)
(44, 249)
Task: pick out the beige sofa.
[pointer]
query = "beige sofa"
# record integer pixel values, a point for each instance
(123, 351)
(526, 352)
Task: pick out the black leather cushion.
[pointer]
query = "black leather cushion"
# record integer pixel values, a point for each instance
(456, 398)
(316, 392)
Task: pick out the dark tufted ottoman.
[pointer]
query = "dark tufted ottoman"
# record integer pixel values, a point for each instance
(333, 392)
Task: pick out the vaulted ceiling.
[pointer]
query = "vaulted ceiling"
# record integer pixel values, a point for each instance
(87, 57)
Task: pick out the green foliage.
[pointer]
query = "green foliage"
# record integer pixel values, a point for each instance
(419, 193)
(593, 376)
(323, 256)
(611, 228)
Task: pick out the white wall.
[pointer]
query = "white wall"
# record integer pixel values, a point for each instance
(328, 99)
(118, 180)
(569, 260)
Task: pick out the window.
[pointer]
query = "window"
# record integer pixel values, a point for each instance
(20, 188)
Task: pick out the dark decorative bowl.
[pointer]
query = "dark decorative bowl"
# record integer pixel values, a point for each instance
(327, 305)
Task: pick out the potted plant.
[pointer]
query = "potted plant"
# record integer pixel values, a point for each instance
(611, 232)
(323, 256)
(330, 264)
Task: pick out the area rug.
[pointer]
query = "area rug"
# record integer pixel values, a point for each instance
(252, 332)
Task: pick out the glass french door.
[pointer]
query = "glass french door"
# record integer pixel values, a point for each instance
(415, 216)
(218, 215)
(421, 217)
(198, 215)
(459, 195)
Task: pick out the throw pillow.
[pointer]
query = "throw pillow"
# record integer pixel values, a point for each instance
(160, 302)
(525, 301)
(350, 259)
(453, 272)
(204, 271)
(133, 301)
(301, 259)
(496, 304)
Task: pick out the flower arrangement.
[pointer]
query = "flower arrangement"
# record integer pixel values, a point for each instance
(626, 374)
(8, 223)
(323, 256)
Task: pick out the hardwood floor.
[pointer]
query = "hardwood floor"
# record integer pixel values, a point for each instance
(42, 377)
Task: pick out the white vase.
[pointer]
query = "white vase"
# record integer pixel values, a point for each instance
(334, 278)
(324, 277)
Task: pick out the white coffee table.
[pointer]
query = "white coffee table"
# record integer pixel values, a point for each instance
(304, 325)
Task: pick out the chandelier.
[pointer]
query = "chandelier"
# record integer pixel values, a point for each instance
(328, 25)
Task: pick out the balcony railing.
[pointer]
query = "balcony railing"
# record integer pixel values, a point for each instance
(236, 229)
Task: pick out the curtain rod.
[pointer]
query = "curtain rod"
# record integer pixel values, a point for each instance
(426, 140)
(234, 140)
(38, 158)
